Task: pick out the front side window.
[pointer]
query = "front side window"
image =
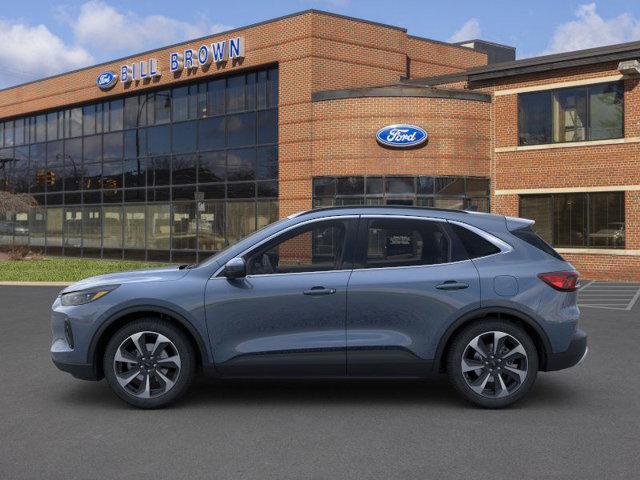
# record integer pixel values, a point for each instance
(315, 248)
(578, 220)
(406, 242)
(593, 112)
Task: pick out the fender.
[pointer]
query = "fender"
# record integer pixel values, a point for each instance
(113, 317)
(470, 316)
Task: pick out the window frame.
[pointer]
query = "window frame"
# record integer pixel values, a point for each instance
(346, 261)
(361, 247)
(588, 220)
(555, 91)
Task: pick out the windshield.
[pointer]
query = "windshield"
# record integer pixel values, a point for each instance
(248, 240)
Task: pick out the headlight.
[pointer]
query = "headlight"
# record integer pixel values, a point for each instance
(85, 296)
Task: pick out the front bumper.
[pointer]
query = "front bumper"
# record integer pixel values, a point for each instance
(573, 355)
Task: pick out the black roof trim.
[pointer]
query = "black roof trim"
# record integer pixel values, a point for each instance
(400, 91)
(436, 79)
(382, 207)
(609, 53)
(244, 27)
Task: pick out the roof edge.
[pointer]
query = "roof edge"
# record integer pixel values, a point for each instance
(400, 91)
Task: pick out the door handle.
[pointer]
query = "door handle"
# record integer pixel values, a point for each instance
(452, 285)
(319, 291)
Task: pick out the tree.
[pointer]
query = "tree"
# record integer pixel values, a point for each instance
(16, 202)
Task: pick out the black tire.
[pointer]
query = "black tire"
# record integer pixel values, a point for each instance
(459, 346)
(184, 375)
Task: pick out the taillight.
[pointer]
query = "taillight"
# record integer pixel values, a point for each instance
(563, 281)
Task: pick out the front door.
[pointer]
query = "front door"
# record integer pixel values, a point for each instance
(411, 280)
(287, 317)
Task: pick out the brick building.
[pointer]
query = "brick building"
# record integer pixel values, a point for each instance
(174, 153)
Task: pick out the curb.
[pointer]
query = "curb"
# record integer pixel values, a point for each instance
(36, 284)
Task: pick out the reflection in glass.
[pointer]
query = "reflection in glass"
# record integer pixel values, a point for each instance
(184, 226)
(134, 226)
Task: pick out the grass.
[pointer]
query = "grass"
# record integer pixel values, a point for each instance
(64, 269)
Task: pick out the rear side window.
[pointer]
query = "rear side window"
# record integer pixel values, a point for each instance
(532, 238)
(474, 244)
(406, 242)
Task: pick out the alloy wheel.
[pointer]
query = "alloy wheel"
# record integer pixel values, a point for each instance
(147, 364)
(494, 364)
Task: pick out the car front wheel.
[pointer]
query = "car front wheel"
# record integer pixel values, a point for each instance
(149, 363)
(493, 363)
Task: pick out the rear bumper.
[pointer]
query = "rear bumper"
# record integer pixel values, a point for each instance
(571, 356)
(83, 371)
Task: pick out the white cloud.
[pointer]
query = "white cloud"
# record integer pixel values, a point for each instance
(469, 31)
(589, 29)
(28, 52)
(104, 29)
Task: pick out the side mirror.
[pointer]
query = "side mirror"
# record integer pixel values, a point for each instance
(235, 268)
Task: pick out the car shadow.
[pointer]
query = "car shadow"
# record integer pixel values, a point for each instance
(434, 391)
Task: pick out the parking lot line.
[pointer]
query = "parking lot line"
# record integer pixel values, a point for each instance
(611, 296)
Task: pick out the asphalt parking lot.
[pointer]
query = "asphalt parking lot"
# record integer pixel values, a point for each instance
(581, 423)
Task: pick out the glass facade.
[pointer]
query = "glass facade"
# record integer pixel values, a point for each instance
(470, 193)
(160, 175)
(578, 220)
(594, 112)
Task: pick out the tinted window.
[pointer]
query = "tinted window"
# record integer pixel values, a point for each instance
(532, 238)
(474, 244)
(400, 243)
(315, 248)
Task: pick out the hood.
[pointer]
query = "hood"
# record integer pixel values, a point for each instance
(135, 276)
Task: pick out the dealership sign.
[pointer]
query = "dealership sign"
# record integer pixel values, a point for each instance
(189, 59)
(401, 136)
(106, 80)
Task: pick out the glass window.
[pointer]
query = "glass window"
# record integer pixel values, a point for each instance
(111, 175)
(184, 169)
(37, 226)
(593, 112)
(73, 227)
(313, 248)
(272, 88)
(131, 112)
(41, 129)
(595, 220)
(52, 126)
(402, 243)
(400, 185)
(261, 89)
(268, 126)
(160, 171)
(180, 102)
(135, 172)
(215, 96)
(211, 226)
(235, 93)
(8, 134)
(112, 145)
(267, 212)
(159, 140)
(92, 178)
(75, 122)
(112, 234)
(134, 226)
(162, 107)
(89, 120)
(116, 115)
(449, 186)
(102, 117)
(267, 166)
(241, 220)
(54, 227)
(241, 129)
(92, 149)
(92, 227)
(570, 115)
(184, 137)
(135, 143)
(212, 167)
(606, 105)
(184, 226)
(241, 164)
(211, 133)
(158, 227)
(350, 186)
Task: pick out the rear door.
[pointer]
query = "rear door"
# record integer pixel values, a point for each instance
(411, 280)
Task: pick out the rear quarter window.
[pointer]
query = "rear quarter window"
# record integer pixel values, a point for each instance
(474, 244)
(532, 238)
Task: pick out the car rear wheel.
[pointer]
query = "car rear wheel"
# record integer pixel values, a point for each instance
(149, 363)
(493, 363)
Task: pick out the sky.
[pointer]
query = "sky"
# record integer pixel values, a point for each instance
(39, 38)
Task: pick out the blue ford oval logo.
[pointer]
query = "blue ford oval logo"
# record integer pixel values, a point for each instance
(401, 136)
(106, 80)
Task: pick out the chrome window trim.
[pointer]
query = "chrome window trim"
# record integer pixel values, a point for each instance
(289, 228)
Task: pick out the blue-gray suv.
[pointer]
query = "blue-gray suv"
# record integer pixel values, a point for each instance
(356, 292)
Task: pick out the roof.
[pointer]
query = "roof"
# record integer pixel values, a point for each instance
(609, 53)
(400, 90)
